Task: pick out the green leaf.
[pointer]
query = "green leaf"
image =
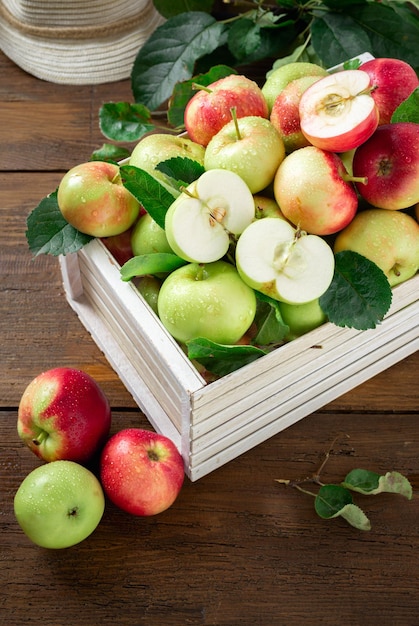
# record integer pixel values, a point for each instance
(336, 501)
(49, 233)
(148, 191)
(408, 111)
(270, 327)
(146, 264)
(122, 121)
(169, 8)
(359, 295)
(339, 5)
(371, 483)
(181, 169)
(337, 37)
(221, 359)
(251, 41)
(170, 53)
(110, 153)
(184, 91)
(302, 54)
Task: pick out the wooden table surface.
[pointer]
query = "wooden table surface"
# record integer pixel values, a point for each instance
(236, 548)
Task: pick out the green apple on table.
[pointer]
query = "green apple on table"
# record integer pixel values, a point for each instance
(59, 504)
(302, 318)
(278, 78)
(206, 300)
(388, 238)
(148, 237)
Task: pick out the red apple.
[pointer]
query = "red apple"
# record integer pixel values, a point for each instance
(120, 246)
(64, 414)
(390, 162)
(393, 81)
(210, 108)
(337, 112)
(141, 471)
(92, 198)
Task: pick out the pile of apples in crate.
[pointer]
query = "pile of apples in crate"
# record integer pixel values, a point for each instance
(272, 184)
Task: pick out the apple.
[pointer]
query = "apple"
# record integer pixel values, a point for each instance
(266, 207)
(141, 471)
(284, 263)
(302, 318)
(63, 414)
(338, 112)
(148, 237)
(278, 78)
(212, 210)
(92, 198)
(149, 287)
(285, 114)
(158, 147)
(388, 238)
(393, 81)
(210, 108)
(206, 300)
(390, 162)
(119, 246)
(251, 147)
(312, 189)
(59, 504)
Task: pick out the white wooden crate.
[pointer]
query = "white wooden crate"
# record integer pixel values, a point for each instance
(212, 423)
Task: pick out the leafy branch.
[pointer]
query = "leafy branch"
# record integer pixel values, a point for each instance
(333, 501)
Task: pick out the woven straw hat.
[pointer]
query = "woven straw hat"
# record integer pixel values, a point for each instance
(78, 42)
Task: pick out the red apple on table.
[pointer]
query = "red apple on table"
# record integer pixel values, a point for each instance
(390, 162)
(63, 414)
(393, 81)
(141, 471)
(311, 187)
(92, 198)
(210, 108)
(337, 112)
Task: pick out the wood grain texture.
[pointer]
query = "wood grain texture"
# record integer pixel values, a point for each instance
(236, 548)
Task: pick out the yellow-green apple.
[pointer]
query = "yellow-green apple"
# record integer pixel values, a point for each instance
(141, 471)
(64, 414)
(210, 107)
(251, 147)
(283, 262)
(92, 198)
(266, 206)
(59, 504)
(311, 186)
(338, 112)
(149, 287)
(212, 210)
(120, 246)
(285, 115)
(148, 237)
(279, 78)
(158, 147)
(390, 162)
(302, 318)
(206, 300)
(388, 238)
(393, 81)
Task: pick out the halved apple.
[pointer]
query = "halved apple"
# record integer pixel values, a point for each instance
(284, 263)
(338, 112)
(212, 210)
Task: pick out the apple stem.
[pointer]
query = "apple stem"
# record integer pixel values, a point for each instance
(348, 178)
(189, 193)
(42, 435)
(200, 274)
(233, 111)
(199, 87)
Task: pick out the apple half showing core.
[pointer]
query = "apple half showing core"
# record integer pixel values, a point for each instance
(284, 263)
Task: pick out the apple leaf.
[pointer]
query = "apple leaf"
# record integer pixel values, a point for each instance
(408, 111)
(251, 40)
(222, 359)
(371, 483)
(49, 233)
(149, 192)
(359, 295)
(268, 320)
(146, 264)
(169, 55)
(169, 8)
(181, 169)
(184, 91)
(336, 501)
(122, 121)
(337, 37)
(110, 153)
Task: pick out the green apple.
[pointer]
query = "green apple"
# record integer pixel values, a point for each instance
(251, 147)
(59, 504)
(283, 262)
(266, 207)
(149, 287)
(201, 222)
(388, 238)
(279, 78)
(148, 237)
(158, 147)
(301, 318)
(206, 300)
